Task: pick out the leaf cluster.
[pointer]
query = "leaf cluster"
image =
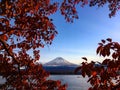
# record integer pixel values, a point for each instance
(105, 75)
(26, 25)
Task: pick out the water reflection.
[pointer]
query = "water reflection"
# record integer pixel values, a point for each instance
(74, 82)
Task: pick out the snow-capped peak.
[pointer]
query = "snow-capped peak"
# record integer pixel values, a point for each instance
(58, 61)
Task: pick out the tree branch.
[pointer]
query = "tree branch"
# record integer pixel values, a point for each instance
(10, 54)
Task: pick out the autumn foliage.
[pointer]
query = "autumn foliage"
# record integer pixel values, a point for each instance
(105, 75)
(25, 25)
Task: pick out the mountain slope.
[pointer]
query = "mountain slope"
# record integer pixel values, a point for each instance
(59, 61)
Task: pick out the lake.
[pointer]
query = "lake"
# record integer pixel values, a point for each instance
(74, 82)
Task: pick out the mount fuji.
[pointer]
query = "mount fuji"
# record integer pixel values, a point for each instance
(59, 61)
(60, 66)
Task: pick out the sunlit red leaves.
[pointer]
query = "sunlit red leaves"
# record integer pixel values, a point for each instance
(68, 10)
(4, 37)
(24, 82)
(102, 74)
(52, 37)
(32, 23)
(47, 2)
(30, 75)
(94, 81)
(86, 69)
(10, 49)
(7, 23)
(112, 5)
(37, 7)
(36, 54)
(104, 49)
(94, 73)
(25, 23)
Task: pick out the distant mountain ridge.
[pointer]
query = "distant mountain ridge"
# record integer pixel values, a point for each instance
(59, 61)
(60, 66)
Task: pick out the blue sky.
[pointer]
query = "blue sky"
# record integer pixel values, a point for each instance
(81, 38)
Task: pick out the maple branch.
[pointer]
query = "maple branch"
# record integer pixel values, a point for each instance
(10, 54)
(5, 33)
(7, 50)
(15, 29)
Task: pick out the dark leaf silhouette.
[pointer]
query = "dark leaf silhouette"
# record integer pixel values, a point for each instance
(109, 39)
(103, 75)
(103, 41)
(26, 25)
(84, 58)
(77, 69)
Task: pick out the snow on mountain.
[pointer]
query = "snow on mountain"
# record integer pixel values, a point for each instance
(59, 61)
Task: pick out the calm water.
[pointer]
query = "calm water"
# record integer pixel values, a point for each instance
(74, 82)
